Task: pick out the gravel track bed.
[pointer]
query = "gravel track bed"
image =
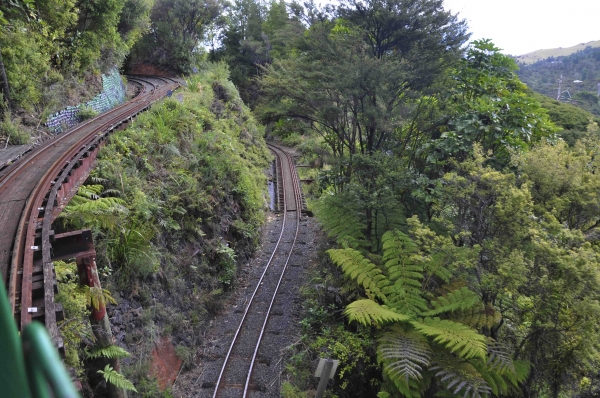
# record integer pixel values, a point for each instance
(283, 328)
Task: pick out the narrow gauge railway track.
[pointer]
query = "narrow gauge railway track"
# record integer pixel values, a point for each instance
(237, 377)
(34, 190)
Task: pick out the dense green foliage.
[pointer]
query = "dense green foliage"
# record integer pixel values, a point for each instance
(173, 172)
(428, 315)
(466, 225)
(177, 29)
(53, 43)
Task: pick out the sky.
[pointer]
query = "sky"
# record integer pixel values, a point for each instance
(522, 26)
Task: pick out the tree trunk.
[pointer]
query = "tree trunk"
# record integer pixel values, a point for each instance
(88, 274)
(4, 87)
(369, 227)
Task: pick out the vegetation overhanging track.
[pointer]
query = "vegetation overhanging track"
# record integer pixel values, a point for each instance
(32, 193)
(248, 336)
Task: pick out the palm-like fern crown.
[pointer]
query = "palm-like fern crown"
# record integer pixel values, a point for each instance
(427, 321)
(88, 207)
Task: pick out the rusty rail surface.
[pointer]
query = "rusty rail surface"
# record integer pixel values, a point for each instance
(249, 335)
(34, 190)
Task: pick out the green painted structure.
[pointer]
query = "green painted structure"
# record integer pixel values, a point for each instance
(29, 364)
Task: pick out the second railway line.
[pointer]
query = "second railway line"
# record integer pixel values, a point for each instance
(29, 193)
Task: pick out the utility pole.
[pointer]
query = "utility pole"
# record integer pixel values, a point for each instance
(559, 87)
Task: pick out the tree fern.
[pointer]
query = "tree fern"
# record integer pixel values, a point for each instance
(342, 222)
(404, 353)
(116, 379)
(460, 299)
(405, 296)
(357, 267)
(110, 352)
(458, 338)
(368, 312)
(479, 316)
(462, 378)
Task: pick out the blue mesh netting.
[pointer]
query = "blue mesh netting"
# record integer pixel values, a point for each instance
(113, 94)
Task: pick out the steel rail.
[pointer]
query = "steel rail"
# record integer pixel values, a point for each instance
(25, 263)
(237, 332)
(9, 179)
(298, 200)
(46, 190)
(279, 160)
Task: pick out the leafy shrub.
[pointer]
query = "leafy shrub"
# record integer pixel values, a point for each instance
(13, 131)
(86, 112)
(75, 328)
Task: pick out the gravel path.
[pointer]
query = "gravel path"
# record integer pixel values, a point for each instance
(283, 329)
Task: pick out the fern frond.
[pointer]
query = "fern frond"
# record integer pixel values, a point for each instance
(403, 354)
(110, 352)
(90, 191)
(405, 274)
(103, 212)
(341, 221)
(397, 244)
(460, 299)
(406, 299)
(398, 252)
(480, 315)
(522, 369)
(457, 337)
(499, 358)
(364, 272)
(368, 312)
(408, 389)
(112, 192)
(116, 379)
(462, 378)
(99, 180)
(437, 266)
(506, 380)
(97, 297)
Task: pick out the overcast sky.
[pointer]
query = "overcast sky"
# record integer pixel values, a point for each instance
(523, 26)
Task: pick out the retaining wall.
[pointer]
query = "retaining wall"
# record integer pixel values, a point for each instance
(113, 94)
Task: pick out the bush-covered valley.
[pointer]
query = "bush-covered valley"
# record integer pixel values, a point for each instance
(462, 210)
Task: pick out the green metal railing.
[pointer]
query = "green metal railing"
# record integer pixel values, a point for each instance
(29, 366)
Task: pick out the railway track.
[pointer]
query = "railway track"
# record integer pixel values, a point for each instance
(35, 189)
(244, 368)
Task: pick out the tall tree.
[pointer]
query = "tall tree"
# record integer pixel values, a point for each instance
(177, 32)
(489, 105)
(352, 83)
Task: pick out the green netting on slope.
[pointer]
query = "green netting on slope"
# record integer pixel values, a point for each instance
(113, 94)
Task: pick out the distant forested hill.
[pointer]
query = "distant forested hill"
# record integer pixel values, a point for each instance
(581, 75)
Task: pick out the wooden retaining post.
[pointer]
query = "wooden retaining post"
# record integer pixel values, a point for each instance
(79, 244)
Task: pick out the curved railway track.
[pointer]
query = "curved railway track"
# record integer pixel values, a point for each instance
(35, 189)
(241, 374)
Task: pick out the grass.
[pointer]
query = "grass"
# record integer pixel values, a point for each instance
(539, 55)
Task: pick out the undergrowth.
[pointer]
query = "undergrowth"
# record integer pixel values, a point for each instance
(326, 335)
